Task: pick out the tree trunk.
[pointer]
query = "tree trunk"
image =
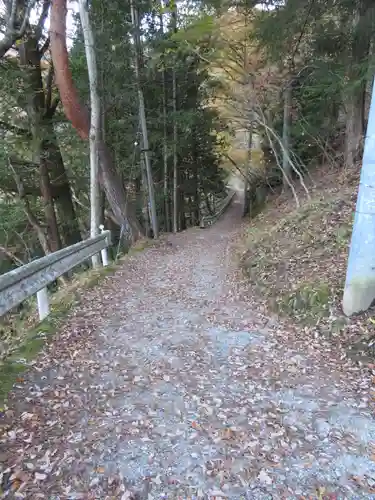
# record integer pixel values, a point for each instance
(165, 155)
(102, 196)
(195, 180)
(196, 200)
(142, 117)
(36, 108)
(176, 193)
(94, 124)
(123, 208)
(208, 204)
(247, 187)
(181, 203)
(355, 97)
(40, 112)
(175, 160)
(165, 139)
(145, 200)
(354, 128)
(78, 115)
(287, 168)
(69, 224)
(54, 240)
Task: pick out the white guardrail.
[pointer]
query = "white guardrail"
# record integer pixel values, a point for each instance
(208, 220)
(25, 281)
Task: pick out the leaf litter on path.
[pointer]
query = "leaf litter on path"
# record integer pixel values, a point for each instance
(165, 384)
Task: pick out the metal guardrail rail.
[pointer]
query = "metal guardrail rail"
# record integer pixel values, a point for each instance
(208, 220)
(25, 281)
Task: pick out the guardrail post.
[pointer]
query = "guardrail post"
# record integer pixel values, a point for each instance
(104, 252)
(43, 303)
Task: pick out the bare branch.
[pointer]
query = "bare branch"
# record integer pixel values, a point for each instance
(29, 213)
(290, 184)
(262, 122)
(11, 256)
(42, 19)
(237, 168)
(21, 238)
(54, 105)
(44, 47)
(12, 16)
(11, 33)
(49, 81)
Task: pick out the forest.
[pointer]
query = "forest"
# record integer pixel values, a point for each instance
(181, 96)
(202, 362)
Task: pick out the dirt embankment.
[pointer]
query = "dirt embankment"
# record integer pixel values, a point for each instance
(295, 260)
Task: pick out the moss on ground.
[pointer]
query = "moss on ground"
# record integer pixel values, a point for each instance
(309, 300)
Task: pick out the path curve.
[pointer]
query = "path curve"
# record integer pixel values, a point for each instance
(163, 385)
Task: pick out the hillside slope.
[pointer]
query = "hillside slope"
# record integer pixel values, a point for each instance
(295, 261)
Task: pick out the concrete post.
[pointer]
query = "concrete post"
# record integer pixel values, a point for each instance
(43, 303)
(359, 291)
(104, 252)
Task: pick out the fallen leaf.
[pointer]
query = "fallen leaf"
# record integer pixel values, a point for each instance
(16, 484)
(126, 496)
(264, 478)
(40, 477)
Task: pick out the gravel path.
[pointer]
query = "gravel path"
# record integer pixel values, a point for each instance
(164, 384)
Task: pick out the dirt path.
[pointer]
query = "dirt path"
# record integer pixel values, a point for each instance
(162, 385)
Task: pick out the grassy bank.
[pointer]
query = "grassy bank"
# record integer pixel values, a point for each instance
(295, 261)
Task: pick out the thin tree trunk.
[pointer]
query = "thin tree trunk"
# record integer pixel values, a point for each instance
(181, 205)
(94, 124)
(165, 155)
(248, 82)
(175, 159)
(165, 140)
(175, 164)
(247, 186)
(287, 168)
(195, 180)
(102, 121)
(145, 208)
(355, 97)
(142, 115)
(196, 199)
